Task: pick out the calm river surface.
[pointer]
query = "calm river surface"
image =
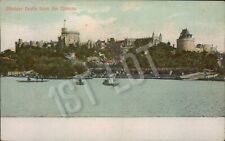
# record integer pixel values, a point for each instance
(150, 98)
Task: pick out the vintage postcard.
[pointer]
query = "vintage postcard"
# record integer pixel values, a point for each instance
(112, 59)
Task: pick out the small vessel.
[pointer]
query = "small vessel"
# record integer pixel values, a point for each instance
(80, 82)
(32, 81)
(29, 80)
(110, 81)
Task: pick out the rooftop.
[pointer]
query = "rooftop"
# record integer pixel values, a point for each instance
(67, 31)
(185, 34)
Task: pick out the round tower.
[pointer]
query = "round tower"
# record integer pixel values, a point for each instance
(185, 41)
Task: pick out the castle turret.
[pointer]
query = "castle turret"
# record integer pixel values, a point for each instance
(68, 37)
(153, 35)
(160, 37)
(18, 44)
(185, 41)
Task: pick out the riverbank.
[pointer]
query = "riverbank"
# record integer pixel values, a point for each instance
(162, 77)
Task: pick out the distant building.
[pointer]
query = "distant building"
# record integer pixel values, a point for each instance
(206, 47)
(90, 44)
(18, 44)
(156, 39)
(129, 42)
(68, 37)
(111, 41)
(185, 41)
(33, 44)
(39, 43)
(100, 44)
(152, 40)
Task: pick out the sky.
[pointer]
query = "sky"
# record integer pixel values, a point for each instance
(104, 19)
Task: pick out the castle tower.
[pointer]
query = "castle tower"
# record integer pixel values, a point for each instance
(185, 41)
(64, 29)
(68, 37)
(160, 37)
(153, 35)
(18, 44)
(64, 24)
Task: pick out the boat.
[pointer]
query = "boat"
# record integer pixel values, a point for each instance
(80, 82)
(110, 81)
(29, 80)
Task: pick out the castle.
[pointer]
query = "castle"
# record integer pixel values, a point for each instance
(129, 42)
(67, 38)
(186, 43)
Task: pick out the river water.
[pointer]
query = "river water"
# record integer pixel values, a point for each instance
(149, 98)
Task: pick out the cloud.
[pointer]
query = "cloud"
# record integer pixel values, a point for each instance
(131, 6)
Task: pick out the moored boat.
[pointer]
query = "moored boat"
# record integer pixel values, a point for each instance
(80, 82)
(32, 80)
(110, 81)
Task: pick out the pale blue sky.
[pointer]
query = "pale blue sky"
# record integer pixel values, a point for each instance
(101, 20)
